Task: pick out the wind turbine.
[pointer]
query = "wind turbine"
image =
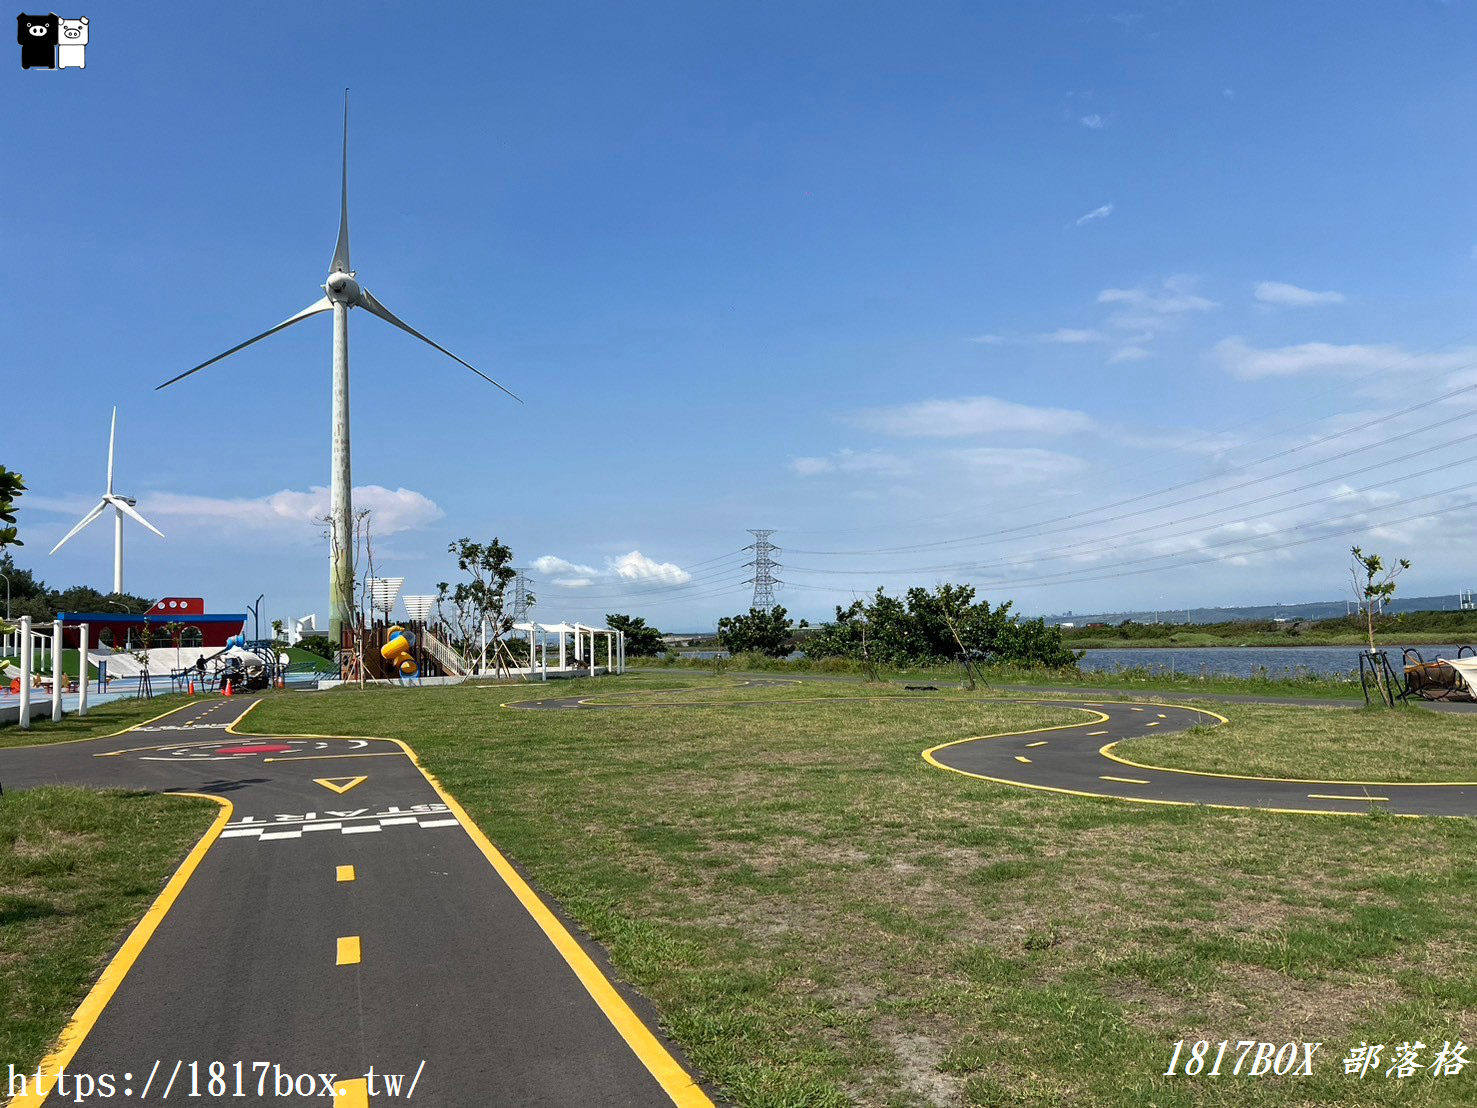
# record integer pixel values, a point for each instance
(342, 293)
(121, 505)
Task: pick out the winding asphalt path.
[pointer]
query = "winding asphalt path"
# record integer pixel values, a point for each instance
(344, 913)
(1080, 759)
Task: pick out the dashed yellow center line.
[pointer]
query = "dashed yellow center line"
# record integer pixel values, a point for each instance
(348, 950)
(1094, 734)
(1334, 796)
(1138, 709)
(1041, 742)
(346, 873)
(1023, 758)
(1154, 723)
(1125, 780)
(1163, 716)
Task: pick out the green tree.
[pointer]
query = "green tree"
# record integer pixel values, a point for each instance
(931, 627)
(764, 632)
(11, 487)
(1374, 585)
(482, 596)
(641, 641)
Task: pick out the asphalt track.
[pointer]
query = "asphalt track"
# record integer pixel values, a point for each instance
(1080, 759)
(343, 913)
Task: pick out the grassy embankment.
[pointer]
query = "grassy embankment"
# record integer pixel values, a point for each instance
(824, 919)
(1405, 629)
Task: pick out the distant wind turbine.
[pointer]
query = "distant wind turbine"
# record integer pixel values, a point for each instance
(121, 505)
(343, 293)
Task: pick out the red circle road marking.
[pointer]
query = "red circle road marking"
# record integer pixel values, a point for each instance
(260, 748)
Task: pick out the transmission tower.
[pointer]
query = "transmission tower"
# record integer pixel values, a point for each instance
(764, 581)
(520, 595)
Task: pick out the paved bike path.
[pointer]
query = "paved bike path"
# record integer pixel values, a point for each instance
(275, 951)
(1080, 759)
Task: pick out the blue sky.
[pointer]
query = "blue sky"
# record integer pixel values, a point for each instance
(882, 277)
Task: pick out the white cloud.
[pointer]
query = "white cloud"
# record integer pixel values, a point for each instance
(1014, 466)
(632, 567)
(1072, 335)
(1096, 213)
(1276, 292)
(636, 566)
(1175, 297)
(1094, 121)
(970, 415)
(393, 510)
(1128, 354)
(853, 461)
(551, 565)
(1249, 363)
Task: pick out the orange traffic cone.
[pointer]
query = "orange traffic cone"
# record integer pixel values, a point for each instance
(228, 687)
(192, 688)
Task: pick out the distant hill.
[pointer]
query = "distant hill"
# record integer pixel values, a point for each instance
(1313, 609)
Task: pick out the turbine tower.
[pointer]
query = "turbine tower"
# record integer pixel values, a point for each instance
(121, 505)
(342, 293)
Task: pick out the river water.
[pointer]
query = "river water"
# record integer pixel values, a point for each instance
(1222, 661)
(1246, 661)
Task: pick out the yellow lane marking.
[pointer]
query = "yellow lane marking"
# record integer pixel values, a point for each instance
(351, 1094)
(669, 1074)
(1163, 716)
(328, 757)
(1167, 803)
(1039, 742)
(346, 873)
(339, 785)
(91, 1008)
(1094, 734)
(1155, 723)
(1125, 780)
(1022, 758)
(1138, 709)
(348, 950)
(1334, 796)
(676, 1082)
(1107, 752)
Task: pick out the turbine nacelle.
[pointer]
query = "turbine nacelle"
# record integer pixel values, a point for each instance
(342, 288)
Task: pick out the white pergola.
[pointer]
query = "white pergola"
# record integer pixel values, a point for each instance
(584, 647)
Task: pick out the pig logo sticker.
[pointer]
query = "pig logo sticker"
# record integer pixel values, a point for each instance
(49, 42)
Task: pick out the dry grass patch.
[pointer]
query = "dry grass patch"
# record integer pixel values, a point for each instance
(824, 919)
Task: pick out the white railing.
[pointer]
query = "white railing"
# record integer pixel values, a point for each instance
(447, 657)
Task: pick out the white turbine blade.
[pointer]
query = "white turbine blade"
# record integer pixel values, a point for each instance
(341, 250)
(127, 509)
(323, 305)
(374, 307)
(88, 518)
(112, 434)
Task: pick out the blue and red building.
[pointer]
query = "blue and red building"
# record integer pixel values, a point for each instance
(123, 631)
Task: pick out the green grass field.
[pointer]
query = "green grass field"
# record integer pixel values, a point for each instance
(1337, 744)
(823, 919)
(78, 868)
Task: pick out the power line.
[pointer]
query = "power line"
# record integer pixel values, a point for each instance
(1039, 527)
